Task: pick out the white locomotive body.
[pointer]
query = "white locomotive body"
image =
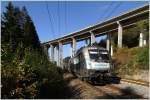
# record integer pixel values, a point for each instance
(90, 62)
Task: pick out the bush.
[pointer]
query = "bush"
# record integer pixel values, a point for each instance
(32, 76)
(142, 58)
(129, 61)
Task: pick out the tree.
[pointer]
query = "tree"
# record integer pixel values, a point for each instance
(131, 37)
(26, 71)
(8, 25)
(31, 37)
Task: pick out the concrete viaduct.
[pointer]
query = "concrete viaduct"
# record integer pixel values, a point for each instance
(111, 26)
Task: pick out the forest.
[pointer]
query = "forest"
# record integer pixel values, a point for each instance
(25, 69)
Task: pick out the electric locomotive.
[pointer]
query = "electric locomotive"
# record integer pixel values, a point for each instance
(91, 63)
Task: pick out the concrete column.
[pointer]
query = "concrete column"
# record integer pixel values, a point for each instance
(108, 42)
(141, 40)
(120, 30)
(144, 42)
(92, 38)
(73, 46)
(71, 50)
(109, 45)
(57, 50)
(60, 54)
(52, 53)
(111, 50)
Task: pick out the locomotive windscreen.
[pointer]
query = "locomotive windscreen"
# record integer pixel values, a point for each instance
(99, 55)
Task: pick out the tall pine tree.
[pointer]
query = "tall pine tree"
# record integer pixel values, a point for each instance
(18, 29)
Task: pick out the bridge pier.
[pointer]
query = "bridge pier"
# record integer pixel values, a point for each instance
(109, 46)
(111, 52)
(120, 30)
(141, 40)
(144, 42)
(108, 42)
(60, 54)
(73, 46)
(93, 39)
(52, 53)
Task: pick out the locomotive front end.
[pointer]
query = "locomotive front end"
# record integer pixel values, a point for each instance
(99, 62)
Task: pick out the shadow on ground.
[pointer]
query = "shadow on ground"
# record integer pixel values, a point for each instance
(73, 92)
(126, 93)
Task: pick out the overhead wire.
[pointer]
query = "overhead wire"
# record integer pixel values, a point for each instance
(113, 10)
(50, 19)
(58, 16)
(108, 7)
(65, 16)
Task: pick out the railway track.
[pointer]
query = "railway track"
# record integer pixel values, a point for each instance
(126, 92)
(113, 92)
(138, 82)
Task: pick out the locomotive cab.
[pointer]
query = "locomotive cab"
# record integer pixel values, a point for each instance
(99, 60)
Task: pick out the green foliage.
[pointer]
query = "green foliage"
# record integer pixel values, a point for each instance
(26, 71)
(33, 76)
(142, 58)
(131, 37)
(17, 28)
(129, 61)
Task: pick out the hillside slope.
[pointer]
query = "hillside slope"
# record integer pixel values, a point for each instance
(132, 63)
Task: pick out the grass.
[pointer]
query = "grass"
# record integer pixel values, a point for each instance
(128, 61)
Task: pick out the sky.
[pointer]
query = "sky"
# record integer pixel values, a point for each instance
(54, 19)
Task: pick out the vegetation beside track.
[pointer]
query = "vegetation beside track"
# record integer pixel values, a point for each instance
(131, 61)
(25, 71)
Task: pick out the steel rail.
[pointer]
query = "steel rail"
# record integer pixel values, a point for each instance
(138, 82)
